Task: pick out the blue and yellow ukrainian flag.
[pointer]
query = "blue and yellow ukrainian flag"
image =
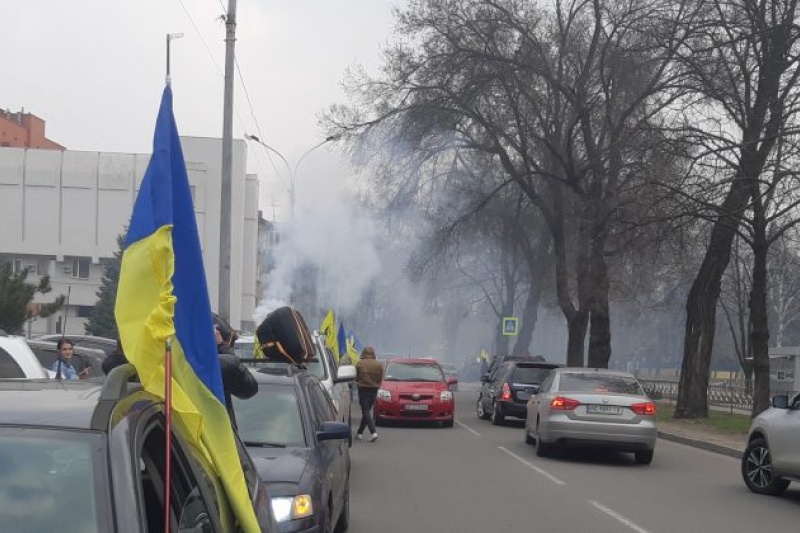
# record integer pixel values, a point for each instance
(341, 342)
(163, 293)
(328, 328)
(353, 348)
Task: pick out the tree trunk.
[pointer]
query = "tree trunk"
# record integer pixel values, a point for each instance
(701, 306)
(529, 316)
(759, 333)
(600, 322)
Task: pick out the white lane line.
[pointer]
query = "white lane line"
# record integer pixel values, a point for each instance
(615, 515)
(535, 468)
(463, 425)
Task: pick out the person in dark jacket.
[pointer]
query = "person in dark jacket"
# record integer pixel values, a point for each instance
(369, 374)
(236, 378)
(114, 359)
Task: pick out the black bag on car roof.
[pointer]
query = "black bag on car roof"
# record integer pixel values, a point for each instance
(284, 337)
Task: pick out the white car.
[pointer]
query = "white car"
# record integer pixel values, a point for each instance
(772, 458)
(17, 360)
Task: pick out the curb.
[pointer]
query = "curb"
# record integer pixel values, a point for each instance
(696, 443)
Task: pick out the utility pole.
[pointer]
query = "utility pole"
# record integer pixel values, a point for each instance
(224, 305)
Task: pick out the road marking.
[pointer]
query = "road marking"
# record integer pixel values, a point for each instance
(535, 468)
(463, 425)
(615, 515)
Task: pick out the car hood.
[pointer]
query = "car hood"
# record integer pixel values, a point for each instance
(280, 464)
(421, 387)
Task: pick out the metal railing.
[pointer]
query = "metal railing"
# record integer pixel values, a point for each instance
(729, 396)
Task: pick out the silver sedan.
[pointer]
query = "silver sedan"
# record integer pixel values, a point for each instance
(592, 407)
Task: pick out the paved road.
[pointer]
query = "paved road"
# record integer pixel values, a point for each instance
(477, 477)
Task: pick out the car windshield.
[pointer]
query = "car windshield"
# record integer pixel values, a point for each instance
(47, 481)
(602, 383)
(413, 372)
(523, 374)
(270, 418)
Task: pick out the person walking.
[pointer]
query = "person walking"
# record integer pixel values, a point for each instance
(369, 374)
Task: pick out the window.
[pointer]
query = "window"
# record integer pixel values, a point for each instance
(271, 417)
(9, 367)
(84, 311)
(606, 383)
(781, 375)
(34, 266)
(321, 404)
(77, 267)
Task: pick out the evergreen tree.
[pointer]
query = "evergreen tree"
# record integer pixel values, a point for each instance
(16, 294)
(101, 319)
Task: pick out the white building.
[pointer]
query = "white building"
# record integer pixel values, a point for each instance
(61, 213)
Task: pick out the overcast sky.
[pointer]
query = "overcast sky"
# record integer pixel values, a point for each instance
(94, 71)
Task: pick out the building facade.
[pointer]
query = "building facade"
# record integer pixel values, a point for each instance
(24, 130)
(61, 212)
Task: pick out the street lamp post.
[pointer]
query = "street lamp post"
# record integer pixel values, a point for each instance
(292, 171)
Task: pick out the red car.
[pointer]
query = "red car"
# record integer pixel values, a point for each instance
(415, 389)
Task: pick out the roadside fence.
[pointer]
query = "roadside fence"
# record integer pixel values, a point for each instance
(725, 395)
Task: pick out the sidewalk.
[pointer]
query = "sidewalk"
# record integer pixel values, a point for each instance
(707, 438)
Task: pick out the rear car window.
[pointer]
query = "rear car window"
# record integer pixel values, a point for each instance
(413, 372)
(8, 367)
(603, 383)
(271, 417)
(529, 375)
(48, 484)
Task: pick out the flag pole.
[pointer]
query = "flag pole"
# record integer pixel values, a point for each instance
(168, 414)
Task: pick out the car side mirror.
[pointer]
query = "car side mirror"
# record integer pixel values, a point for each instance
(452, 380)
(333, 431)
(345, 373)
(780, 401)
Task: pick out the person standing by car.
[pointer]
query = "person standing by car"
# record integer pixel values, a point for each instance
(369, 374)
(66, 366)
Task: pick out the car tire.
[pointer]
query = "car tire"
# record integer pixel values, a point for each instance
(528, 438)
(644, 457)
(757, 470)
(543, 449)
(344, 516)
(480, 411)
(498, 418)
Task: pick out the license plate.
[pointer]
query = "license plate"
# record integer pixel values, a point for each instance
(415, 407)
(604, 409)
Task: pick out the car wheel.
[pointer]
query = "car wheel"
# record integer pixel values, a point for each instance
(528, 438)
(481, 412)
(543, 449)
(497, 415)
(644, 457)
(344, 517)
(757, 469)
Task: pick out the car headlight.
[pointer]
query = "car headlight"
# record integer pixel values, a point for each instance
(446, 396)
(291, 508)
(384, 394)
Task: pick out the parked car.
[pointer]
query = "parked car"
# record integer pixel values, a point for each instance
(771, 460)
(106, 345)
(498, 360)
(592, 407)
(415, 389)
(506, 392)
(334, 378)
(450, 371)
(299, 448)
(47, 354)
(81, 456)
(17, 360)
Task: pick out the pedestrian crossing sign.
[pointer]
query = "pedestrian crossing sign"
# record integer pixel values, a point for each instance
(510, 325)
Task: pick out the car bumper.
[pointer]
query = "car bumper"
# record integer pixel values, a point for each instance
(436, 412)
(305, 525)
(567, 432)
(519, 410)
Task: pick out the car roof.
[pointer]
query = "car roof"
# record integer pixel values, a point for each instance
(48, 403)
(532, 364)
(413, 361)
(582, 370)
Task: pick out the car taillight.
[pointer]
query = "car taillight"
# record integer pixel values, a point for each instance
(645, 409)
(506, 394)
(562, 403)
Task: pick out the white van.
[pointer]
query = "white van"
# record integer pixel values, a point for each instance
(335, 378)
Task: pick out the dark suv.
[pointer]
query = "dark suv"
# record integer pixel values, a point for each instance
(506, 391)
(86, 457)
